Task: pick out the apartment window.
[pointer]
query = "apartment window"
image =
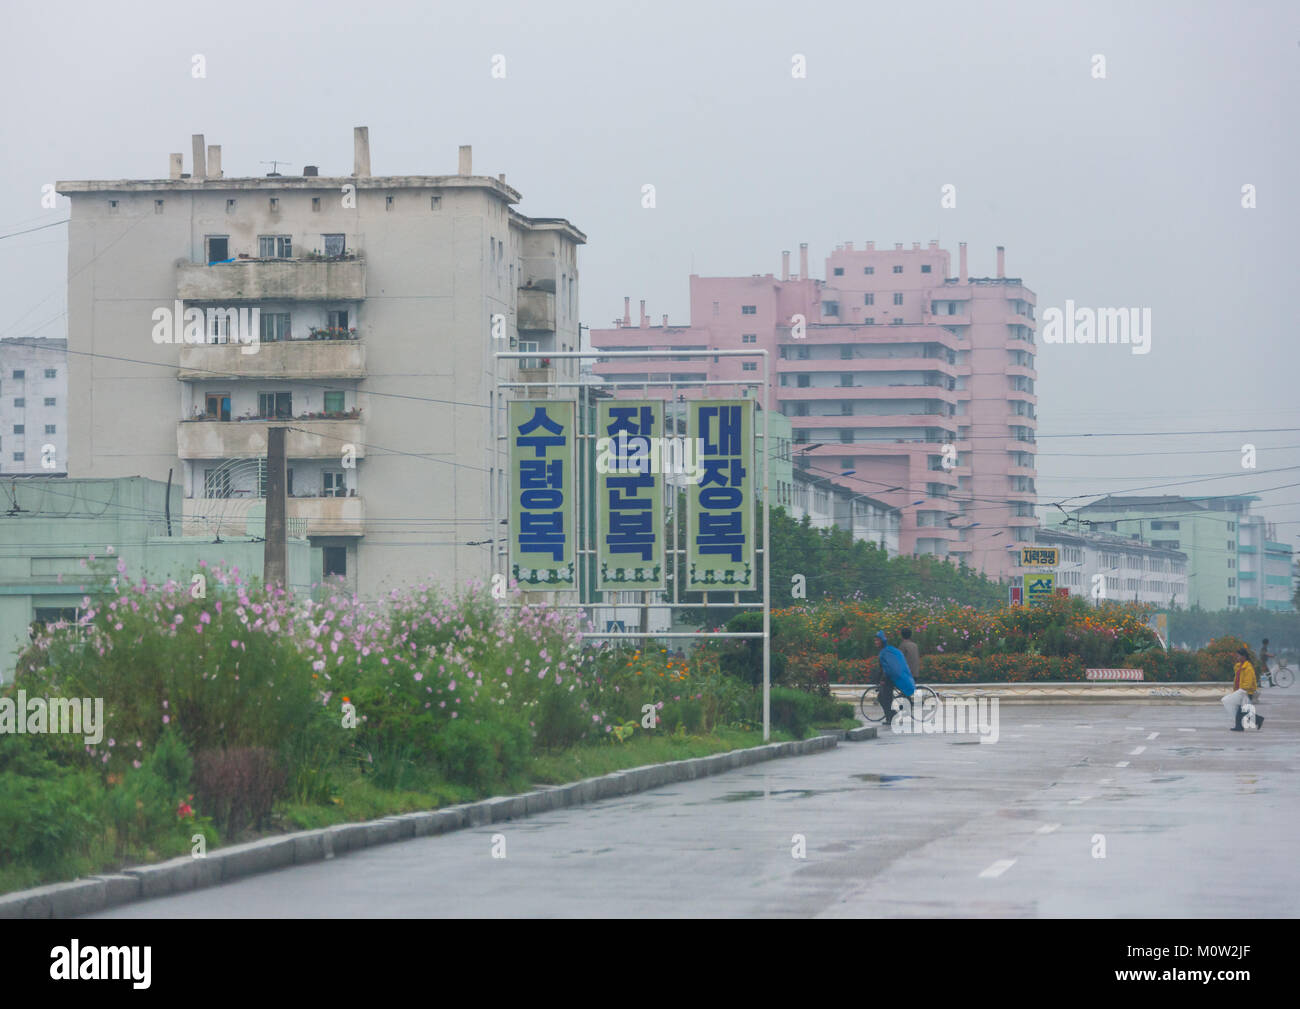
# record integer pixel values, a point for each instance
(337, 319)
(925, 268)
(275, 204)
(288, 483)
(896, 321)
(749, 338)
(333, 244)
(868, 322)
(388, 203)
(532, 347)
(1231, 545)
(230, 206)
(20, 429)
(19, 373)
(748, 309)
(332, 483)
(19, 456)
(801, 353)
(49, 429)
(315, 204)
(435, 202)
(803, 381)
(275, 404)
(846, 353)
(830, 308)
(275, 246)
(839, 271)
(1232, 583)
(334, 401)
(217, 406)
(846, 379)
(846, 435)
(20, 401)
(157, 206)
(846, 409)
(112, 206)
(51, 373)
(801, 409)
(49, 401)
(218, 248)
(868, 270)
(898, 269)
(216, 483)
(335, 560)
(274, 327)
(898, 299)
(749, 366)
(715, 308)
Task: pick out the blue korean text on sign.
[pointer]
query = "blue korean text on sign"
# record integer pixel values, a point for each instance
(720, 508)
(629, 488)
(543, 537)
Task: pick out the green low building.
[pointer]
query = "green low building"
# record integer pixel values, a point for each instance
(52, 527)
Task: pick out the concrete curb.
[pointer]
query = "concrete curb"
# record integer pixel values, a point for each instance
(1076, 692)
(144, 882)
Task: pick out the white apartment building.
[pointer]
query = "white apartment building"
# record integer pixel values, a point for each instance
(827, 504)
(34, 406)
(1124, 569)
(376, 300)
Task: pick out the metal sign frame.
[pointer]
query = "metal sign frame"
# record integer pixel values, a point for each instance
(504, 389)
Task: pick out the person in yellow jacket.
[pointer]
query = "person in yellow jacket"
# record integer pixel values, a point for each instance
(1244, 688)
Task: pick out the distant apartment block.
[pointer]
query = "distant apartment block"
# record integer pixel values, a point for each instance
(902, 382)
(34, 406)
(1106, 566)
(1236, 559)
(380, 301)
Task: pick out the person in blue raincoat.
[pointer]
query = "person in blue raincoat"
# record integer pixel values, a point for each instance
(894, 675)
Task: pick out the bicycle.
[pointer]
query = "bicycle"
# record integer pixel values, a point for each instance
(924, 699)
(1279, 676)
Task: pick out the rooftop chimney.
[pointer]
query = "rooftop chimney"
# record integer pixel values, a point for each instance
(803, 260)
(848, 246)
(916, 246)
(898, 245)
(175, 165)
(199, 169)
(214, 161)
(466, 160)
(627, 311)
(310, 171)
(1002, 261)
(645, 319)
(961, 258)
(665, 320)
(785, 265)
(871, 246)
(361, 152)
(934, 243)
(501, 178)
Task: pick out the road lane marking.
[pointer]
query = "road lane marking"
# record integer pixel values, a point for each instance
(1186, 730)
(997, 868)
(1105, 781)
(1036, 725)
(1047, 828)
(1137, 750)
(1122, 763)
(1152, 736)
(1083, 726)
(1136, 728)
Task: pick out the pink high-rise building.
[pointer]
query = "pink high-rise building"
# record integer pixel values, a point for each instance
(901, 382)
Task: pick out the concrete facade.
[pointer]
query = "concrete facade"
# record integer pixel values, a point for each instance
(827, 503)
(1234, 556)
(1130, 571)
(381, 302)
(881, 366)
(34, 406)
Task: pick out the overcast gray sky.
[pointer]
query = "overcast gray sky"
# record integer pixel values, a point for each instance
(1117, 192)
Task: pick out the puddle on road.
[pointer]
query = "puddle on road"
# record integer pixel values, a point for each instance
(1175, 777)
(804, 793)
(885, 779)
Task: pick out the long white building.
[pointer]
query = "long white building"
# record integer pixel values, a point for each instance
(1117, 568)
(34, 406)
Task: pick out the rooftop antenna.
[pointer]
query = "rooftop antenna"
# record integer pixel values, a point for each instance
(275, 167)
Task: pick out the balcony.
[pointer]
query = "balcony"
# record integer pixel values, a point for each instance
(309, 438)
(536, 311)
(955, 319)
(246, 516)
(283, 359)
(338, 279)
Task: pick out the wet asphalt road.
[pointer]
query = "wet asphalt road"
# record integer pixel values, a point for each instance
(1193, 821)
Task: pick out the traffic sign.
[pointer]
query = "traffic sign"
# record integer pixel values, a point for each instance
(1039, 587)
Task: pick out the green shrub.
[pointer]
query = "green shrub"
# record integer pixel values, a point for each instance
(48, 813)
(480, 754)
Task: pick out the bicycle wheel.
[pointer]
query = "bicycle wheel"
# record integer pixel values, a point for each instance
(925, 704)
(1283, 677)
(870, 705)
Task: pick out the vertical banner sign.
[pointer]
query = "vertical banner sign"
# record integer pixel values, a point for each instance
(543, 494)
(630, 485)
(720, 508)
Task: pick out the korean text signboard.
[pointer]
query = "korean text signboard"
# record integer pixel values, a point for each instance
(1039, 587)
(630, 502)
(720, 508)
(543, 494)
(1041, 557)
